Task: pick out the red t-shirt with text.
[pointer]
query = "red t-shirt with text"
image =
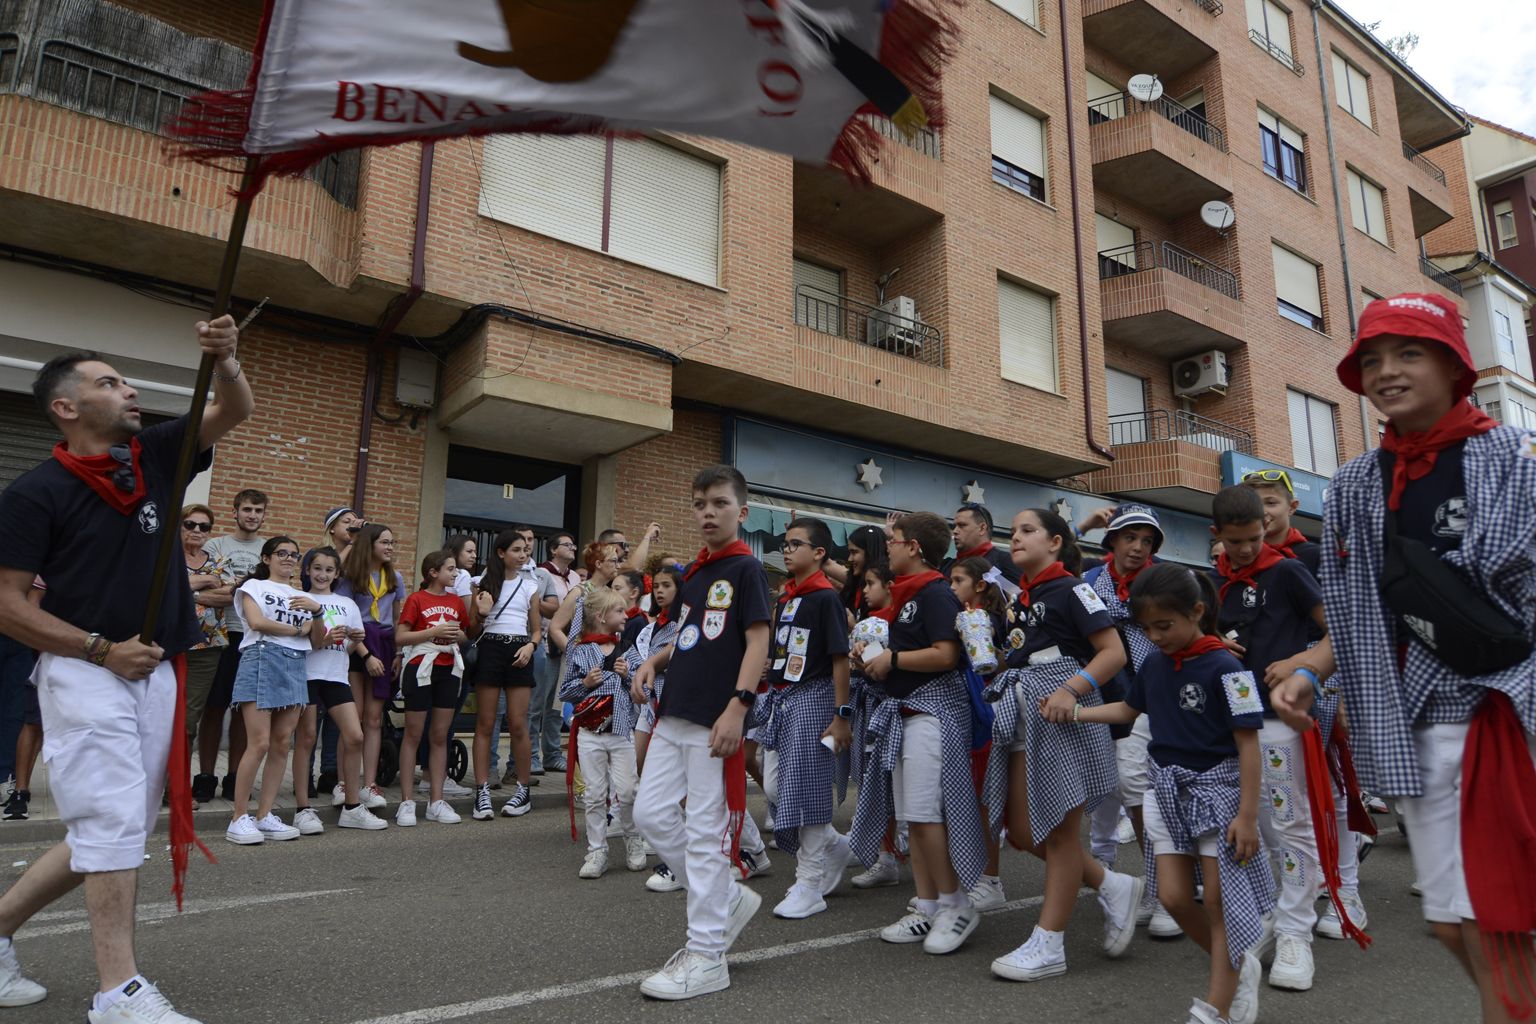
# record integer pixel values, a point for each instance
(424, 610)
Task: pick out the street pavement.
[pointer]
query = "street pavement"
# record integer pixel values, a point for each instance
(487, 921)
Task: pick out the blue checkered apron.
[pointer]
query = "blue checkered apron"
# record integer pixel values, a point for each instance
(583, 658)
(790, 722)
(661, 637)
(865, 697)
(1070, 766)
(947, 700)
(1193, 804)
(1497, 553)
(1120, 613)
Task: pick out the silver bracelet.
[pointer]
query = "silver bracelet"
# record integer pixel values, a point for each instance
(229, 380)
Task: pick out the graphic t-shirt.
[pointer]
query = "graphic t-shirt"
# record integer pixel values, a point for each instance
(209, 620)
(927, 619)
(236, 558)
(1272, 620)
(1062, 613)
(424, 609)
(716, 606)
(329, 663)
(808, 632)
(1193, 711)
(273, 600)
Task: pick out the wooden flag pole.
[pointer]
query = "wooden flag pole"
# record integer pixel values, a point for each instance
(189, 445)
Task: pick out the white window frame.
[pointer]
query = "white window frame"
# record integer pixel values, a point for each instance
(1367, 206)
(1352, 89)
(1284, 135)
(1314, 414)
(1503, 332)
(1028, 352)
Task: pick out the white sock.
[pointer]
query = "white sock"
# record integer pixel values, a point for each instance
(887, 857)
(992, 878)
(927, 907)
(104, 1000)
(1053, 941)
(950, 900)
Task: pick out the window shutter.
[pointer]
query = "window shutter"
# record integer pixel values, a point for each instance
(1291, 137)
(1376, 210)
(1341, 82)
(1357, 210)
(1100, 89)
(1296, 281)
(1279, 25)
(1027, 329)
(1359, 94)
(1126, 393)
(551, 184)
(1024, 10)
(1325, 447)
(1017, 137)
(666, 210)
(819, 307)
(1268, 120)
(1256, 17)
(1301, 436)
(1111, 235)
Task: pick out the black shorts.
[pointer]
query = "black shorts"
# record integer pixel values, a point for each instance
(329, 694)
(441, 689)
(359, 664)
(494, 665)
(223, 688)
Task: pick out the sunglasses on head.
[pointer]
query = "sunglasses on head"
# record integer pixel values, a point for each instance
(1270, 476)
(195, 526)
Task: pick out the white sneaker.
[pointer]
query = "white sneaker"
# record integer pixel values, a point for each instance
(800, 902)
(339, 796)
(455, 790)
(373, 797)
(1202, 1012)
(912, 928)
(1162, 925)
(307, 822)
(243, 832)
(440, 812)
(1125, 832)
(951, 927)
(686, 975)
(756, 862)
(663, 880)
(1036, 960)
(405, 814)
(634, 852)
(1245, 1001)
(1330, 927)
(15, 988)
(744, 906)
(987, 893)
(1119, 897)
(361, 817)
(1416, 889)
(595, 864)
(837, 864)
(1292, 969)
(275, 829)
(145, 1006)
(885, 871)
(483, 811)
(1264, 949)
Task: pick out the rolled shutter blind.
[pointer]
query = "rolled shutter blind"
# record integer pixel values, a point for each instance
(666, 210)
(1325, 449)
(1296, 281)
(1027, 328)
(1111, 236)
(551, 184)
(818, 307)
(29, 437)
(1301, 435)
(1017, 137)
(1279, 24)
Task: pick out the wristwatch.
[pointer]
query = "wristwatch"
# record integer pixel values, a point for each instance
(845, 711)
(747, 697)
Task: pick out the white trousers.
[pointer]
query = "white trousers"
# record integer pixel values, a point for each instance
(691, 839)
(1285, 822)
(815, 840)
(105, 742)
(608, 770)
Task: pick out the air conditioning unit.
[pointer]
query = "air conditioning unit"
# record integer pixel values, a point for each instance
(894, 326)
(1202, 374)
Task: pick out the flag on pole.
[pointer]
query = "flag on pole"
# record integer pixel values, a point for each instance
(785, 75)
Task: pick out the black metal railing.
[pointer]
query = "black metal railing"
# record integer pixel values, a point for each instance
(1424, 163)
(1439, 276)
(1178, 425)
(1147, 255)
(1213, 6)
(877, 327)
(1112, 107)
(924, 140)
(1276, 51)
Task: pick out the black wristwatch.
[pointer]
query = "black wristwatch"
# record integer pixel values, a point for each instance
(845, 711)
(747, 697)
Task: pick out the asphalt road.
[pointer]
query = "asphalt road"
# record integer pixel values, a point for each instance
(486, 921)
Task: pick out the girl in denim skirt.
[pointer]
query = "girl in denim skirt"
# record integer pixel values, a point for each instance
(271, 686)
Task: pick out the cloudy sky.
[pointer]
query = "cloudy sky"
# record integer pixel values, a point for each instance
(1480, 55)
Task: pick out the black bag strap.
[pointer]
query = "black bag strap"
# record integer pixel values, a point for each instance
(497, 611)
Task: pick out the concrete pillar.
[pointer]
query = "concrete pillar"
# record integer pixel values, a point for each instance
(434, 485)
(599, 486)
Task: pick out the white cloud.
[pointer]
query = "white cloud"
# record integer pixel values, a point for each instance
(1481, 56)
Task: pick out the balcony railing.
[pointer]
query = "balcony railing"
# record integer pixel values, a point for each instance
(1213, 6)
(1276, 51)
(1439, 276)
(924, 140)
(1147, 255)
(1178, 425)
(878, 327)
(1112, 107)
(1424, 163)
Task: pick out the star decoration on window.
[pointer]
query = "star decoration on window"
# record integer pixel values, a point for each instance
(869, 474)
(973, 493)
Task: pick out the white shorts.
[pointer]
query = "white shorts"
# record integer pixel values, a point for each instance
(1434, 822)
(1131, 759)
(105, 743)
(1208, 845)
(916, 782)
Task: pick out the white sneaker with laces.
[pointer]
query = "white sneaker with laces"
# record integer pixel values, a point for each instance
(744, 906)
(1119, 897)
(144, 1006)
(440, 812)
(912, 928)
(1125, 832)
(275, 829)
(594, 865)
(951, 927)
(686, 975)
(1245, 1001)
(836, 866)
(757, 862)
(1292, 969)
(360, 817)
(243, 832)
(455, 790)
(307, 822)
(1328, 924)
(800, 902)
(634, 852)
(1036, 960)
(885, 871)
(16, 989)
(663, 880)
(373, 797)
(1202, 1012)
(483, 811)
(1162, 925)
(405, 814)
(987, 893)
(339, 796)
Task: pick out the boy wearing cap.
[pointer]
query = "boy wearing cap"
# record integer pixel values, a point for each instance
(1453, 744)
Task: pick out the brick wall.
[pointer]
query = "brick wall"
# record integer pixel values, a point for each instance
(655, 481)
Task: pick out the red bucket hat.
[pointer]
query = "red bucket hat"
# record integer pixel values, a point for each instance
(1411, 315)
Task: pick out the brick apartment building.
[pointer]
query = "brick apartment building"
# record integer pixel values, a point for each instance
(558, 331)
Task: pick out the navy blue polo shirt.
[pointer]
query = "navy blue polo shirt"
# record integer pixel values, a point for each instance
(1272, 620)
(1194, 710)
(1062, 613)
(716, 606)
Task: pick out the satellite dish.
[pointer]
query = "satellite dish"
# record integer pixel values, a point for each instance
(1217, 214)
(1145, 88)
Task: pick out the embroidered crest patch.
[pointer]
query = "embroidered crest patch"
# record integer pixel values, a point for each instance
(714, 624)
(1090, 598)
(720, 594)
(1242, 693)
(688, 638)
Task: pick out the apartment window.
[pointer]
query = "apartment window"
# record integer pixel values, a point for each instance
(1117, 246)
(818, 297)
(1106, 101)
(1018, 149)
(1272, 23)
(1367, 206)
(659, 207)
(1126, 395)
(1504, 332)
(1366, 298)
(1504, 224)
(1297, 288)
(1283, 151)
(1352, 89)
(1024, 10)
(1314, 442)
(1027, 335)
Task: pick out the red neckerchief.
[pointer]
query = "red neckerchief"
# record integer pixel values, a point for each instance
(1269, 557)
(664, 617)
(599, 638)
(634, 613)
(814, 582)
(96, 472)
(1204, 645)
(903, 589)
(1122, 583)
(888, 613)
(706, 556)
(1287, 547)
(1416, 453)
(979, 551)
(1054, 571)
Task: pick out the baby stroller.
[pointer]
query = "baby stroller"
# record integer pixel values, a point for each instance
(393, 731)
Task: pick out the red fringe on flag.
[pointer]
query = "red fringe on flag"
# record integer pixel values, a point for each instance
(1325, 826)
(178, 764)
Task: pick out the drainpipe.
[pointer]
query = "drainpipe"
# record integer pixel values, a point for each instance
(1367, 432)
(1077, 232)
(393, 315)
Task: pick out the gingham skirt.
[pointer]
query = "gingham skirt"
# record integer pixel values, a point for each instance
(790, 722)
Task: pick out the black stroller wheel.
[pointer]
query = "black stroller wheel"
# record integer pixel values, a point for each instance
(458, 760)
(389, 762)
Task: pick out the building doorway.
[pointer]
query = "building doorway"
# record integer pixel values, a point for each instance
(486, 492)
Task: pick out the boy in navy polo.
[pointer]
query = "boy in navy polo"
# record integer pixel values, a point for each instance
(1271, 608)
(692, 799)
